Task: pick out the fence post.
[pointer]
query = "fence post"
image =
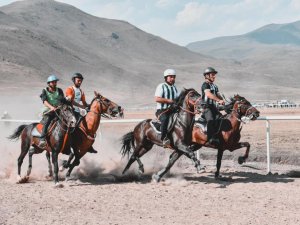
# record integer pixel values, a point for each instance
(268, 147)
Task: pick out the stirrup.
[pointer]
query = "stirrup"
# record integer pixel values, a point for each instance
(166, 143)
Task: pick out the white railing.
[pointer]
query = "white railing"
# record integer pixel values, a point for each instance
(266, 118)
(268, 128)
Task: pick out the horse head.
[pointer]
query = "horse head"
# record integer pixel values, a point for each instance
(188, 100)
(66, 115)
(107, 106)
(243, 108)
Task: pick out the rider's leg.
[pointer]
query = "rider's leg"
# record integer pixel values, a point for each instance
(47, 120)
(211, 128)
(164, 119)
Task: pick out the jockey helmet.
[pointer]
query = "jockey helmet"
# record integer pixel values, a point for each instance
(77, 75)
(169, 72)
(209, 70)
(52, 78)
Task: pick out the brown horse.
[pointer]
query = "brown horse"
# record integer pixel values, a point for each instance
(84, 136)
(56, 138)
(239, 110)
(144, 135)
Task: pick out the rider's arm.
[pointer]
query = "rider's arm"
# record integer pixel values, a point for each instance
(213, 97)
(70, 96)
(158, 95)
(163, 100)
(43, 97)
(47, 104)
(83, 100)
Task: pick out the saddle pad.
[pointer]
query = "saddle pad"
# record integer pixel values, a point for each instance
(202, 126)
(156, 126)
(37, 130)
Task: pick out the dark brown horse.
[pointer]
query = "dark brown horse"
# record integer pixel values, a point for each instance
(84, 136)
(144, 135)
(239, 110)
(56, 138)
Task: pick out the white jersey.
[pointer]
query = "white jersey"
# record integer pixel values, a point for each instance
(77, 97)
(165, 90)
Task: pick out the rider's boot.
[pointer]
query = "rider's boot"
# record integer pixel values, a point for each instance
(42, 143)
(92, 150)
(166, 142)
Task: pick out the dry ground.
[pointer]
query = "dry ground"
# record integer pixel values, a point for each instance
(98, 194)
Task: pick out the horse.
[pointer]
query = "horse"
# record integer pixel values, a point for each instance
(239, 111)
(144, 135)
(84, 136)
(56, 140)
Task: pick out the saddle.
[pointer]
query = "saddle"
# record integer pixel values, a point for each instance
(156, 124)
(201, 123)
(37, 130)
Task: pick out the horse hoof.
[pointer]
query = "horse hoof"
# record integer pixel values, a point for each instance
(155, 178)
(141, 171)
(61, 168)
(241, 160)
(201, 169)
(49, 177)
(58, 185)
(22, 180)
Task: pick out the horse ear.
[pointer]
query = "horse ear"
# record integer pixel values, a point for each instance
(95, 93)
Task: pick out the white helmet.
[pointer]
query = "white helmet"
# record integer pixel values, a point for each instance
(169, 72)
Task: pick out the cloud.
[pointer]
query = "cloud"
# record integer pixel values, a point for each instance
(192, 13)
(163, 3)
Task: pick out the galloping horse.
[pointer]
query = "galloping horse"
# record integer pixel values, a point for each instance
(84, 136)
(240, 111)
(56, 139)
(144, 136)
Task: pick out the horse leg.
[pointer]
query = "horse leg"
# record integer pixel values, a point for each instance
(76, 162)
(25, 145)
(67, 163)
(189, 152)
(31, 152)
(219, 160)
(130, 161)
(55, 166)
(172, 159)
(50, 172)
(139, 151)
(242, 159)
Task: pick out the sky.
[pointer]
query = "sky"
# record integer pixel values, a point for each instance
(186, 21)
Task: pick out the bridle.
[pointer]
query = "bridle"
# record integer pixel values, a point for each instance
(243, 118)
(187, 102)
(101, 103)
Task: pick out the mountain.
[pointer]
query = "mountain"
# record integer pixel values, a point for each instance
(272, 38)
(124, 63)
(40, 37)
(272, 51)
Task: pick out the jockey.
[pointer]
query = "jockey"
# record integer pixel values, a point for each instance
(164, 96)
(212, 97)
(77, 96)
(51, 97)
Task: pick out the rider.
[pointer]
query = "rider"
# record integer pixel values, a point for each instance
(76, 96)
(164, 96)
(51, 97)
(212, 97)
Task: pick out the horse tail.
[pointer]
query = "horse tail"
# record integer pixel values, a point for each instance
(128, 143)
(17, 133)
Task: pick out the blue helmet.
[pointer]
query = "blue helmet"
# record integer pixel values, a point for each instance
(52, 78)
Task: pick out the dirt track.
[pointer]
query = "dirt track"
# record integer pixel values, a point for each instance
(99, 195)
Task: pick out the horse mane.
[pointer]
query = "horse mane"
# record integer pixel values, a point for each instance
(180, 99)
(228, 107)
